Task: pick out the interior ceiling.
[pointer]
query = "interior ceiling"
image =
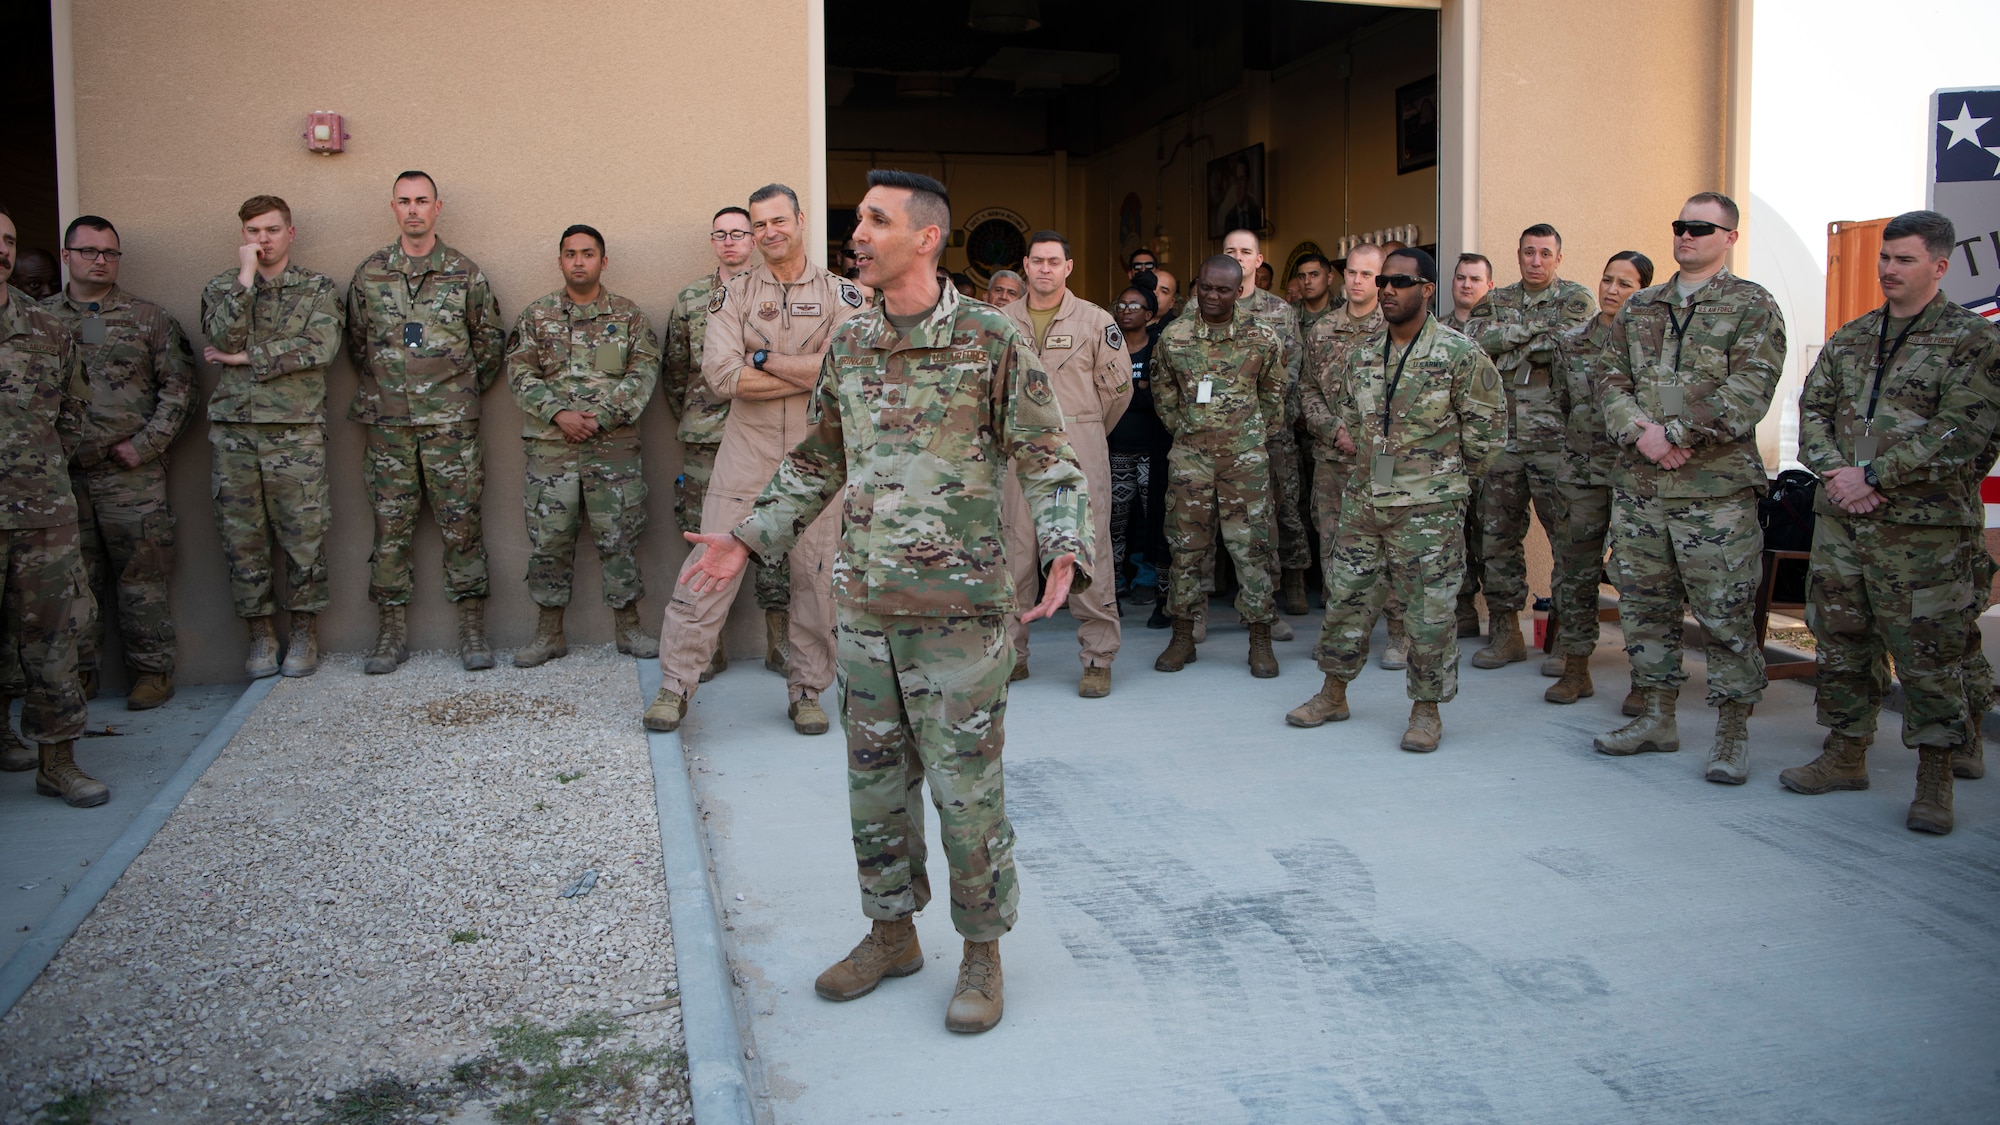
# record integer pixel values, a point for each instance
(1092, 75)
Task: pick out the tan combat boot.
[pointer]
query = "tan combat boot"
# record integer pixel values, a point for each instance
(807, 716)
(1729, 759)
(976, 1004)
(666, 711)
(16, 756)
(1180, 651)
(1653, 731)
(474, 654)
(59, 777)
(548, 642)
(1635, 703)
(1329, 706)
(889, 950)
(392, 641)
(1575, 683)
(778, 641)
(717, 664)
(302, 651)
(1201, 627)
(1263, 662)
(1842, 764)
(633, 639)
(1468, 617)
(1281, 629)
(1552, 664)
(1292, 592)
(1508, 646)
(1096, 682)
(1396, 654)
(149, 690)
(1931, 811)
(1426, 728)
(1969, 761)
(263, 659)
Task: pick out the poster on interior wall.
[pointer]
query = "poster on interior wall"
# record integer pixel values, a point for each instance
(1236, 192)
(1417, 125)
(995, 239)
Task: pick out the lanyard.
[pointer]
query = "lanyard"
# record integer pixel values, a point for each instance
(1389, 399)
(1680, 333)
(1883, 362)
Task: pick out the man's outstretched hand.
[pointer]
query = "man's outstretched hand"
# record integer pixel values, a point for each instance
(722, 561)
(1055, 592)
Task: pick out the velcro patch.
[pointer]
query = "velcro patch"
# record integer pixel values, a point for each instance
(1063, 341)
(1709, 309)
(1114, 337)
(1038, 390)
(805, 308)
(1933, 341)
(851, 293)
(715, 302)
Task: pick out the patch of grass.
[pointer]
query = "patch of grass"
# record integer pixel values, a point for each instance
(566, 778)
(78, 1107)
(528, 1062)
(540, 806)
(464, 937)
(386, 1100)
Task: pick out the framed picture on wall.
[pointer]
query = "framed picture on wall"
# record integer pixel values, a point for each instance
(1417, 125)
(1236, 192)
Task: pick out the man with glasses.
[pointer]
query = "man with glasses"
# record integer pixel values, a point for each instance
(140, 368)
(1140, 261)
(1422, 411)
(1520, 327)
(1689, 372)
(425, 335)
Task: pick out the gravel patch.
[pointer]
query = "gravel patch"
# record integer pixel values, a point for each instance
(366, 885)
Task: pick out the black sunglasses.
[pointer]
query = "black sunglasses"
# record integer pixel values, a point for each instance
(1399, 280)
(1697, 228)
(1144, 265)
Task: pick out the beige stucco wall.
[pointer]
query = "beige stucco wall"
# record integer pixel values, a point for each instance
(531, 115)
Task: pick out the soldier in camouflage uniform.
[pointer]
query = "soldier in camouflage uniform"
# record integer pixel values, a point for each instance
(1896, 412)
(1690, 370)
(1219, 386)
(1519, 327)
(1471, 281)
(1291, 549)
(425, 335)
(141, 374)
(43, 593)
(924, 401)
(1422, 421)
(274, 328)
(582, 362)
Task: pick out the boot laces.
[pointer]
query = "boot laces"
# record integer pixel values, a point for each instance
(975, 974)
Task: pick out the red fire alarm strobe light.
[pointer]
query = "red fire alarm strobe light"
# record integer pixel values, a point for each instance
(323, 133)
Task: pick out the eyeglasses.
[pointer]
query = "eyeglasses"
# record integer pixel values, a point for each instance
(1129, 306)
(1697, 228)
(95, 255)
(728, 235)
(1399, 280)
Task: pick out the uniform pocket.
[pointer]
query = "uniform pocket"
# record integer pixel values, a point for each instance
(1940, 619)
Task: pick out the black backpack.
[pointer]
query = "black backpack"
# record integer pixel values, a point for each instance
(1786, 514)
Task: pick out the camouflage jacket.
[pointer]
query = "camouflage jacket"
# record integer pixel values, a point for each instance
(43, 401)
(1307, 318)
(915, 435)
(1444, 421)
(1327, 354)
(1723, 363)
(1938, 407)
(290, 327)
(600, 359)
(439, 378)
(1590, 452)
(702, 412)
(1520, 332)
(1271, 311)
(1244, 363)
(141, 377)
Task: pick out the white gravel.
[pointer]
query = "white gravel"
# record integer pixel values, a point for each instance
(288, 934)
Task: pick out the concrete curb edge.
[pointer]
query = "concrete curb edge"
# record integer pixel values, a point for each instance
(718, 1084)
(21, 970)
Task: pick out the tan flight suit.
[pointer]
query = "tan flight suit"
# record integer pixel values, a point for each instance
(755, 311)
(1092, 373)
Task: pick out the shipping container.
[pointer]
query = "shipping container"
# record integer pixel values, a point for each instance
(1851, 288)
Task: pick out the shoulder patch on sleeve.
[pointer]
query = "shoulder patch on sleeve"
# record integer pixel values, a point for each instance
(1037, 387)
(850, 292)
(715, 302)
(1479, 310)
(1114, 337)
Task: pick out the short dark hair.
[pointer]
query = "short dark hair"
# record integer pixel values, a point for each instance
(930, 202)
(414, 174)
(1727, 204)
(263, 205)
(1141, 250)
(1427, 267)
(94, 222)
(730, 210)
(773, 191)
(1542, 230)
(1468, 258)
(1147, 297)
(582, 228)
(4, 211)
(1235, 266)
(1937, 231)
(1041, 236)
(1640, 263)
(1308, 259)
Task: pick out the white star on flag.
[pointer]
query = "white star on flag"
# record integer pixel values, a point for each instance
(1966, 128)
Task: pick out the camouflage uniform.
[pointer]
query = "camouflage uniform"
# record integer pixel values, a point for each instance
(1902, 580)
(603, 360)
(1402, 520)
(1218, 477)
(267, 424)
(1689, 536)
(420, 402)
(44, 596)
(1518, 329)
(1328, 351)
(702, 414)
(1475, 556)
(913, 431)
(141, 375)
(1584, 486)
(1290, 547)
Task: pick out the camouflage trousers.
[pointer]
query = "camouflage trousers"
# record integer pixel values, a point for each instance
(1418, 552)
(1701, 552)
(923, 699)
(1978, 669)
(1510, 483)
(269, 482)
(1475, 555)
(126, 532)
(46, 604)
(1329, 485)
(599, 482)
(773, 582)
(401, 465)
(1904, 591)
(1294, 546)
(1214, 494)
(1579, 566)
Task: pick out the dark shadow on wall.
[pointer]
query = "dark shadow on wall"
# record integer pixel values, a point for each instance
(28, 128)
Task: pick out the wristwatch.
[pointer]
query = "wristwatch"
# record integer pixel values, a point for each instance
(758, 357)
(1868, 474)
